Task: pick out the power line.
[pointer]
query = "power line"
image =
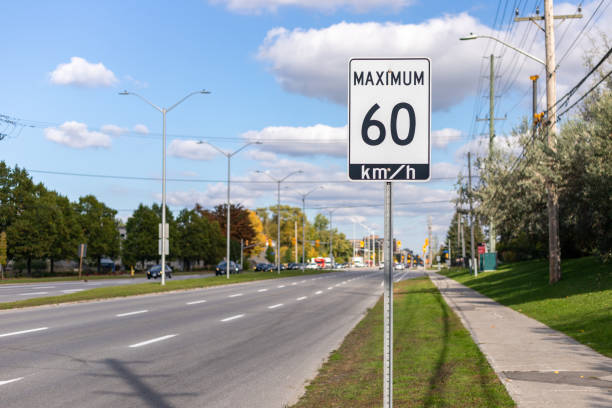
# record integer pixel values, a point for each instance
(587, 92)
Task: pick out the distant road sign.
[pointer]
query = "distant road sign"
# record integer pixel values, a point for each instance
(389, 119)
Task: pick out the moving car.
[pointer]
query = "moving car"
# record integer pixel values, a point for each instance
(222, 268)
(155, 272)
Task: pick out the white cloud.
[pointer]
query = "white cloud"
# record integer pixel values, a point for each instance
(191, 149)
(254, 6)
(82, 73)
(140, 128)
(441, 138)
(314, 62)
(479, 147)
(113, 130)
(301, 141)
(215, 194)
(75, 134)
(444, 170)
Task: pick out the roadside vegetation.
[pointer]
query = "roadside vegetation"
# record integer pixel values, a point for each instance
(436, 363)
(154, 287)
(580, 305)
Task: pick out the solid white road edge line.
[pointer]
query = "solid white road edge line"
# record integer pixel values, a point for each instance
(144, 343)
(10, 381)
(227, 319)
(131, 313)
(33, 293)
(23, 331)
(195, 302)
(275, 306)
(235, 295)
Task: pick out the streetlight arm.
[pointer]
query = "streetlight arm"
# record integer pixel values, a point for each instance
(474, 37)
(203, 91)
(143, 98)
(226, 154)
(291, 174)
(243, 147)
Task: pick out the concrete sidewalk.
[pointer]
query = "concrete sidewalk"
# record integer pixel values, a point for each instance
(539, 366)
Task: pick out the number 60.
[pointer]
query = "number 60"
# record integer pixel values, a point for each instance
(368, 122)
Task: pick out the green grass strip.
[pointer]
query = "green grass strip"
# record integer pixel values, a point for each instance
(436, 363)
(580, 305)
(154, 287)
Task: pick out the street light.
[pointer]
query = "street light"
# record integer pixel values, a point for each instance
(163, 223)
(229, 157)
(278, 183)
(474, 37)
(304, 222)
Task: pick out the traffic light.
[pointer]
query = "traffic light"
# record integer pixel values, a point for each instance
(361, 244)
(399, 244)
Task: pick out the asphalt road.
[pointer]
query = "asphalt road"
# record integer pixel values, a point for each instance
(12, 292)
(246, 345)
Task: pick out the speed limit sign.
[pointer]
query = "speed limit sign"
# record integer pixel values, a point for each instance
(389, 119)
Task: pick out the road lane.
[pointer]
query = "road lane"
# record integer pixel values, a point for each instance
(12, 292)
(260, 359)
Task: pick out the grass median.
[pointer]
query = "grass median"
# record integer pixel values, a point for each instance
(580, 305)
(73, 277)
(154, 287)
(436, 363)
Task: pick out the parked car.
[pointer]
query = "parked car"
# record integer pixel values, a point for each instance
(312, 265)
(261, 267)
(155, 272)
(222, 268)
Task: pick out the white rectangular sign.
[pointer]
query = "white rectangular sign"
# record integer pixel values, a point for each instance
(389, 119)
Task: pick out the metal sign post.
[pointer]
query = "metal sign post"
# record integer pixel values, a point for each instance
(389, 127)
(388, 304)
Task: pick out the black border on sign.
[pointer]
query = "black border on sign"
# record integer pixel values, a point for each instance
(348, 157)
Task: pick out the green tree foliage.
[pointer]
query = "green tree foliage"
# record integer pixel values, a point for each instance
(512, 190)
(99, 228)
(141, 241)
(240, 224)
(198, 239)
(270, 257)
(68, 234)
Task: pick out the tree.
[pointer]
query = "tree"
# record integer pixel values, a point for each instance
(68, 234)
(3, 258)
(141, 241)
(270, 256)
(260, 238)
(240, 222)
(99, 228)
(198, 239)
(30, 234)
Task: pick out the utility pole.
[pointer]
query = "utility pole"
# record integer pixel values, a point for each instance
(474, 265)
(458, 229)
(552, 199)
(462, 240)
(534, 103)
(491, 120)
(296, 242)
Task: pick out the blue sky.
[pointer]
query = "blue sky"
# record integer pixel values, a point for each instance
(277, 73)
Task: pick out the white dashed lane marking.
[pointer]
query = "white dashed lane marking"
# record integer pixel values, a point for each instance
(195, 302)
(262, 290)
(23, 331)
(235, 295)
(227, 319)
(131, 313)
(318, 292)
(275, 306)
(280, 286)
(302, 298)
(155, 340)
(10, 381)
